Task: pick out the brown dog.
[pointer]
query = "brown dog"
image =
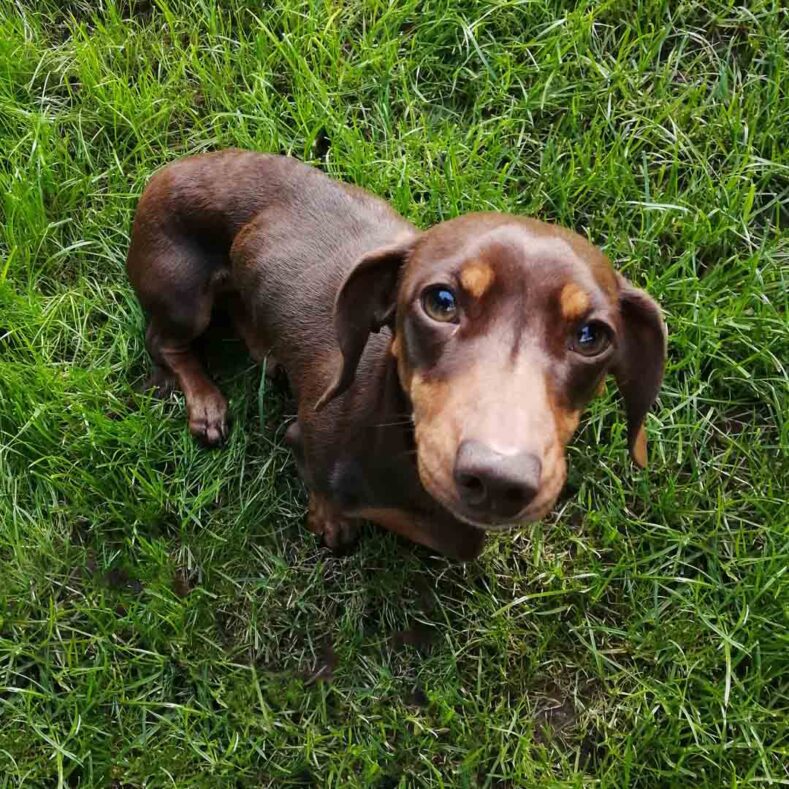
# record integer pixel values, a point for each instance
(438, 374)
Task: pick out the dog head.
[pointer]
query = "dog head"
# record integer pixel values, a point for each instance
(504, 328)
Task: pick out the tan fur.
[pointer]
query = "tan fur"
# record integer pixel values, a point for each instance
(573, 302)
(566, 424)
(436, 441)
(406, 524)
(427, 396)
(554, 473)
(476, 278)
(640, 448)
(458, 540)
(565, 419)
(404, 372)
(554, 465)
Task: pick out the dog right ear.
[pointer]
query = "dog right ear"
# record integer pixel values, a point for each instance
(365, 302)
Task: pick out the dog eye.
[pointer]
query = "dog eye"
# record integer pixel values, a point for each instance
(591, 339)
(439, 303)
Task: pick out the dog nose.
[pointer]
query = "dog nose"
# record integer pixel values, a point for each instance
(490, 481)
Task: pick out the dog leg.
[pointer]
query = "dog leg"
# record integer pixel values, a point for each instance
(177, 281)
(160, 383)
(295, 442)
(273, 367)
(246, 329)
(326, 520)
(206, 406)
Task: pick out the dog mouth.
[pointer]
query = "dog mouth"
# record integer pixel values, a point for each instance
(534, 511)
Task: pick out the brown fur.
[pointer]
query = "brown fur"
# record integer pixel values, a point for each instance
(327, 279)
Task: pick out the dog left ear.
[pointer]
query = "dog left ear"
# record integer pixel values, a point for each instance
(365, 302)
(640, 362)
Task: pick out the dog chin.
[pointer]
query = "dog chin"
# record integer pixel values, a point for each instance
(486, 525)
(494, 525)
(528, 515)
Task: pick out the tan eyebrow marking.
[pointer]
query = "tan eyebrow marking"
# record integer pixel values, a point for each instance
(573, 302)
(476, 278)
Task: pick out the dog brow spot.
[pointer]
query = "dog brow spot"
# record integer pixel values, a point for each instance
(573, 302)
(476, 278)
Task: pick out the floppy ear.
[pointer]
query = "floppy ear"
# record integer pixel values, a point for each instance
(365, 302)
(639, 366)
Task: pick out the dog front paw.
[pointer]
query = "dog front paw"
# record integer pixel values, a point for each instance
(208, 419)
(325, 519)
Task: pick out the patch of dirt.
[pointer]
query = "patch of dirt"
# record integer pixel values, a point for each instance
(182, 583)
(324, 667)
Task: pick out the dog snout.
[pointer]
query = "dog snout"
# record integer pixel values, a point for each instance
(492, 482)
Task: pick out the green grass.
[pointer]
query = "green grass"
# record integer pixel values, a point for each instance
(165, 618)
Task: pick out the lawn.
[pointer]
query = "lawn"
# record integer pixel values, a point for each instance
(165, 617)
